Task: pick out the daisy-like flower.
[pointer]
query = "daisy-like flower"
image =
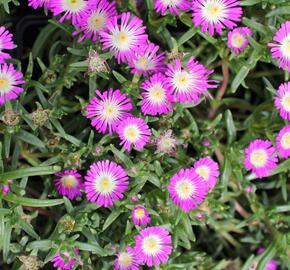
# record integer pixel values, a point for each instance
(208, 170)
(162, 6)
(107, 109)
(153, 246)
(126, 260)
(65, 260)
(260, 158)
(105, 182)
(70, 9)
(282, 100)
(283, 142)
(95, 19)
(6, 43)
(124, 39)
(187, 189)
(166, 143)
(147, 60)
(38, 3)
(140, 215)
(10, 79)
(133, 131)
(156, 99)
(281, 49)
(238, 39)
(214, 15)
(68, 183)
(187, 83)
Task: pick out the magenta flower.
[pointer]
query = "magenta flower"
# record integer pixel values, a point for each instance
(187, 189)
(65, 260)
(95, 19)
(156, 99)
(153, 246)
(125, 38)
(282, 100)
(271, 264)
(135, 132)
(281, 49)
(107, 109)
(69, 183)
(38, 3)
(214, 15)
(140, 215)
(187, 83)
(162, 6)
(126, 260)
(147, 60)
(6, 43)
(238, 39)
(69, 9)
(5, 189)
(208, 170)
(105, 182)
(260, 158)
(283, 142)
(10, 79)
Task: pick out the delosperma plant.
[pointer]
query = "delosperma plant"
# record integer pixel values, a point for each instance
(144, 134)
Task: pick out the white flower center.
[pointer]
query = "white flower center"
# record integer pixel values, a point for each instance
(213, 10)
(171, 3)
(286, 102)
(156, 93)
(96, 21)
(151, 245)
(143, 63)
(132, 133)
(184, 189)
(285, 140)
(111, 110)
(69, 181)
(6, 83)
(125, 259)
(238, 40)
(183, 81)
(203, 171)
(73, 6)
(285, 46)
(139, 213)
(122, 40)
(105, 183)
(258, 158)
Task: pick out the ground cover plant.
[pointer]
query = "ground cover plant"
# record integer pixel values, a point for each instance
(144, 134)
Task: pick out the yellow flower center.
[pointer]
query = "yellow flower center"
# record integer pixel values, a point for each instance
(151, 245)
(132, 133)
(104, 184)
(285, 141)
(237, 40)
(203, 171)
(285, 46)
(96, 22)
(139, 213)
(157, 93)
(286, 102)
(258, 158)
(213, 10)
(69, 181)
(184, 189)
(125, 259)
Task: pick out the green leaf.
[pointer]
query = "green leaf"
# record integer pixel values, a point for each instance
(123, 157)
(111, 218)
(91, 248)
(6, 240)
(33, 171)
(266, 256)
(285, 10)
(40, 244)
(230, 124)
(31, 202)
(27, 228)
(186, 36)
(29, 138)
(120, 78)
(239, 78)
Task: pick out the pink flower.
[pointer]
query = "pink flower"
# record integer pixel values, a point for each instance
(69, 183)
(69, 9)
(153, 246)
(140, 215)
(5, 189)
(208, 170)
(95, 19)
(214, 15)
(125, 38)
(162, 6)
(9, 81)
(283, 142)
(38, 3)
(188, 83)
(282, 100)
(260, 158)
(105, 182)
(238, 39)
(271, 264)
(156, 99)
(147, 60)
(126, 260)
(107, 109)
(65, 260)
(135, 132)
(187, 189)
(281, 49)
(6, 43)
